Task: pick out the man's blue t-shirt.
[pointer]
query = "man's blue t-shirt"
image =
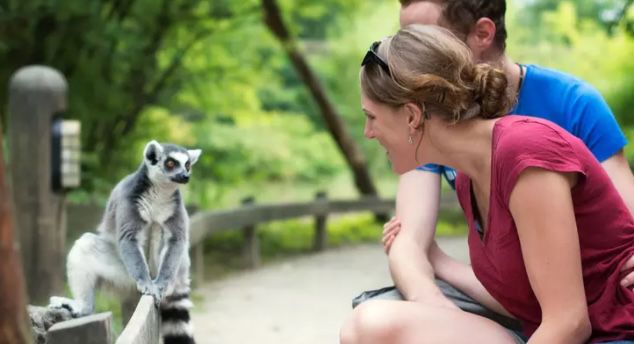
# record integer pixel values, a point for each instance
(570, 103)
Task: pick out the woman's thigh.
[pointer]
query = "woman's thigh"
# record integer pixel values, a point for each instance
(388, 321)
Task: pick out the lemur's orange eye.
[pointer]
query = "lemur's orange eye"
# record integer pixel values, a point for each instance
(188, 165)
(170, 164)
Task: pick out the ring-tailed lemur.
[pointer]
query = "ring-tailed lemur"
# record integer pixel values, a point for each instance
(144, 217)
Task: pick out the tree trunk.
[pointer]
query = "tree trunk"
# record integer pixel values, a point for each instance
(13, 319)
(351, 152)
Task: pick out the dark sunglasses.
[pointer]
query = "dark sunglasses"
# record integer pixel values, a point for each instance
(372, 56)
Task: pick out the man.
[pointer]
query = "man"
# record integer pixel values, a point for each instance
(540, 92)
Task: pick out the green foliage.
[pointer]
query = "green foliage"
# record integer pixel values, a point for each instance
(210, 75)
(575, 43)
(339, 64)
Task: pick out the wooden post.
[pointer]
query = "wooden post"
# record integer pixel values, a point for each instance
(92, 329)
(36, 95)
(13, 318)
(251, 251)
(321, 235)
(199, 264)
(143, 327)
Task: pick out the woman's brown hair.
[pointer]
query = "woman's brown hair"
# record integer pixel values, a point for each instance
(430, 66)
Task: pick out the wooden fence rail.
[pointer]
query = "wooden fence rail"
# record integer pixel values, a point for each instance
(250, 215)
(143, 327)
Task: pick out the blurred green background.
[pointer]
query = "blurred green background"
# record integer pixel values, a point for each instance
(210, 75)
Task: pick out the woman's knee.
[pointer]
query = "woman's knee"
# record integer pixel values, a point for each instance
(368, 324)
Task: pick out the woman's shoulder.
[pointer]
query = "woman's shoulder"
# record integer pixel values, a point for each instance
(520, 140)
(528, 132)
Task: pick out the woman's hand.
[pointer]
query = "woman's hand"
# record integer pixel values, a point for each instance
(390, 230)
(628, 270)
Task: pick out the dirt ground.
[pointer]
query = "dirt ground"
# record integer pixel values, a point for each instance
(301, 301)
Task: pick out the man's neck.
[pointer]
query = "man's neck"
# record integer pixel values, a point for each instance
(510, 69)
(512, 72)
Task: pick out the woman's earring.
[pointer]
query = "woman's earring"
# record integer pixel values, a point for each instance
(409, 139)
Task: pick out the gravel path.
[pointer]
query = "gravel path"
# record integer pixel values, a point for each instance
(302, 301)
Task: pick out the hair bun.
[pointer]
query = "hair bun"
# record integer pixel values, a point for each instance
(489, 88)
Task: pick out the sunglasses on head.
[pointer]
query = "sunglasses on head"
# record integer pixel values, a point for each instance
(372, 56)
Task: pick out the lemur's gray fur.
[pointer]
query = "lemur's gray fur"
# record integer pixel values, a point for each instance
(145, 217)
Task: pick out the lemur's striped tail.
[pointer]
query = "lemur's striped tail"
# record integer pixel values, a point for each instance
(176, 327)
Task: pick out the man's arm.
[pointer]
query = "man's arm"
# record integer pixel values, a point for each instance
(621, 175)
(599, 130)
(417, 203)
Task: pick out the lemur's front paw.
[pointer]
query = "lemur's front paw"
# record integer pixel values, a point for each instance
(162, 287)
(150, 288)
(76, 308)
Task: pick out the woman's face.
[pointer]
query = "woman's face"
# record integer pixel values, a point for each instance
(390, 127)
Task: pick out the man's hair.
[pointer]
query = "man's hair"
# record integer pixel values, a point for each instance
(461, 15)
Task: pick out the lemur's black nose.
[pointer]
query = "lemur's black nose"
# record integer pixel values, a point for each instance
(181, 178)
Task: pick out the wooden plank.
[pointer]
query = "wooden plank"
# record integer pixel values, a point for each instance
(199, 264)
(143, 327)
(321, 234)
(205, 223)
(251, 249)
(92, 329)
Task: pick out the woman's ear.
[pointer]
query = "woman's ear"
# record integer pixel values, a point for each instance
(414, 116)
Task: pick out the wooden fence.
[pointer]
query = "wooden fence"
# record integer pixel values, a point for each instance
(250, 215)
(247, 217)
(143, 326)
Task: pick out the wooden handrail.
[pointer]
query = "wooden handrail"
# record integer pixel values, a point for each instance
(143, 327)
(208, 222)
(205, 223)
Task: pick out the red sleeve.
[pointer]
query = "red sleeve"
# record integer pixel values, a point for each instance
(524, 144)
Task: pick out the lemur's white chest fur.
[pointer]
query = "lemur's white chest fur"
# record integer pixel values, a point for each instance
(156, 206)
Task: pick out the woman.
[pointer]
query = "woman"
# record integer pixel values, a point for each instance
(548, 232)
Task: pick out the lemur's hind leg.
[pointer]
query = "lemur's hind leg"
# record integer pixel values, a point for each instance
(91, 261)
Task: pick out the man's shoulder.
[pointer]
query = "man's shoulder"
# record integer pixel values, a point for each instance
(538, 76)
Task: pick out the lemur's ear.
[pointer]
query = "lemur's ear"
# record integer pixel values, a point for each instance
(153, 151)
(194, 154)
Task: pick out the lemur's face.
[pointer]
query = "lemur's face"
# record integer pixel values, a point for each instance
(169, 163)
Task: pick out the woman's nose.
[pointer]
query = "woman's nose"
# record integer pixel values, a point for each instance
(368, 132)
